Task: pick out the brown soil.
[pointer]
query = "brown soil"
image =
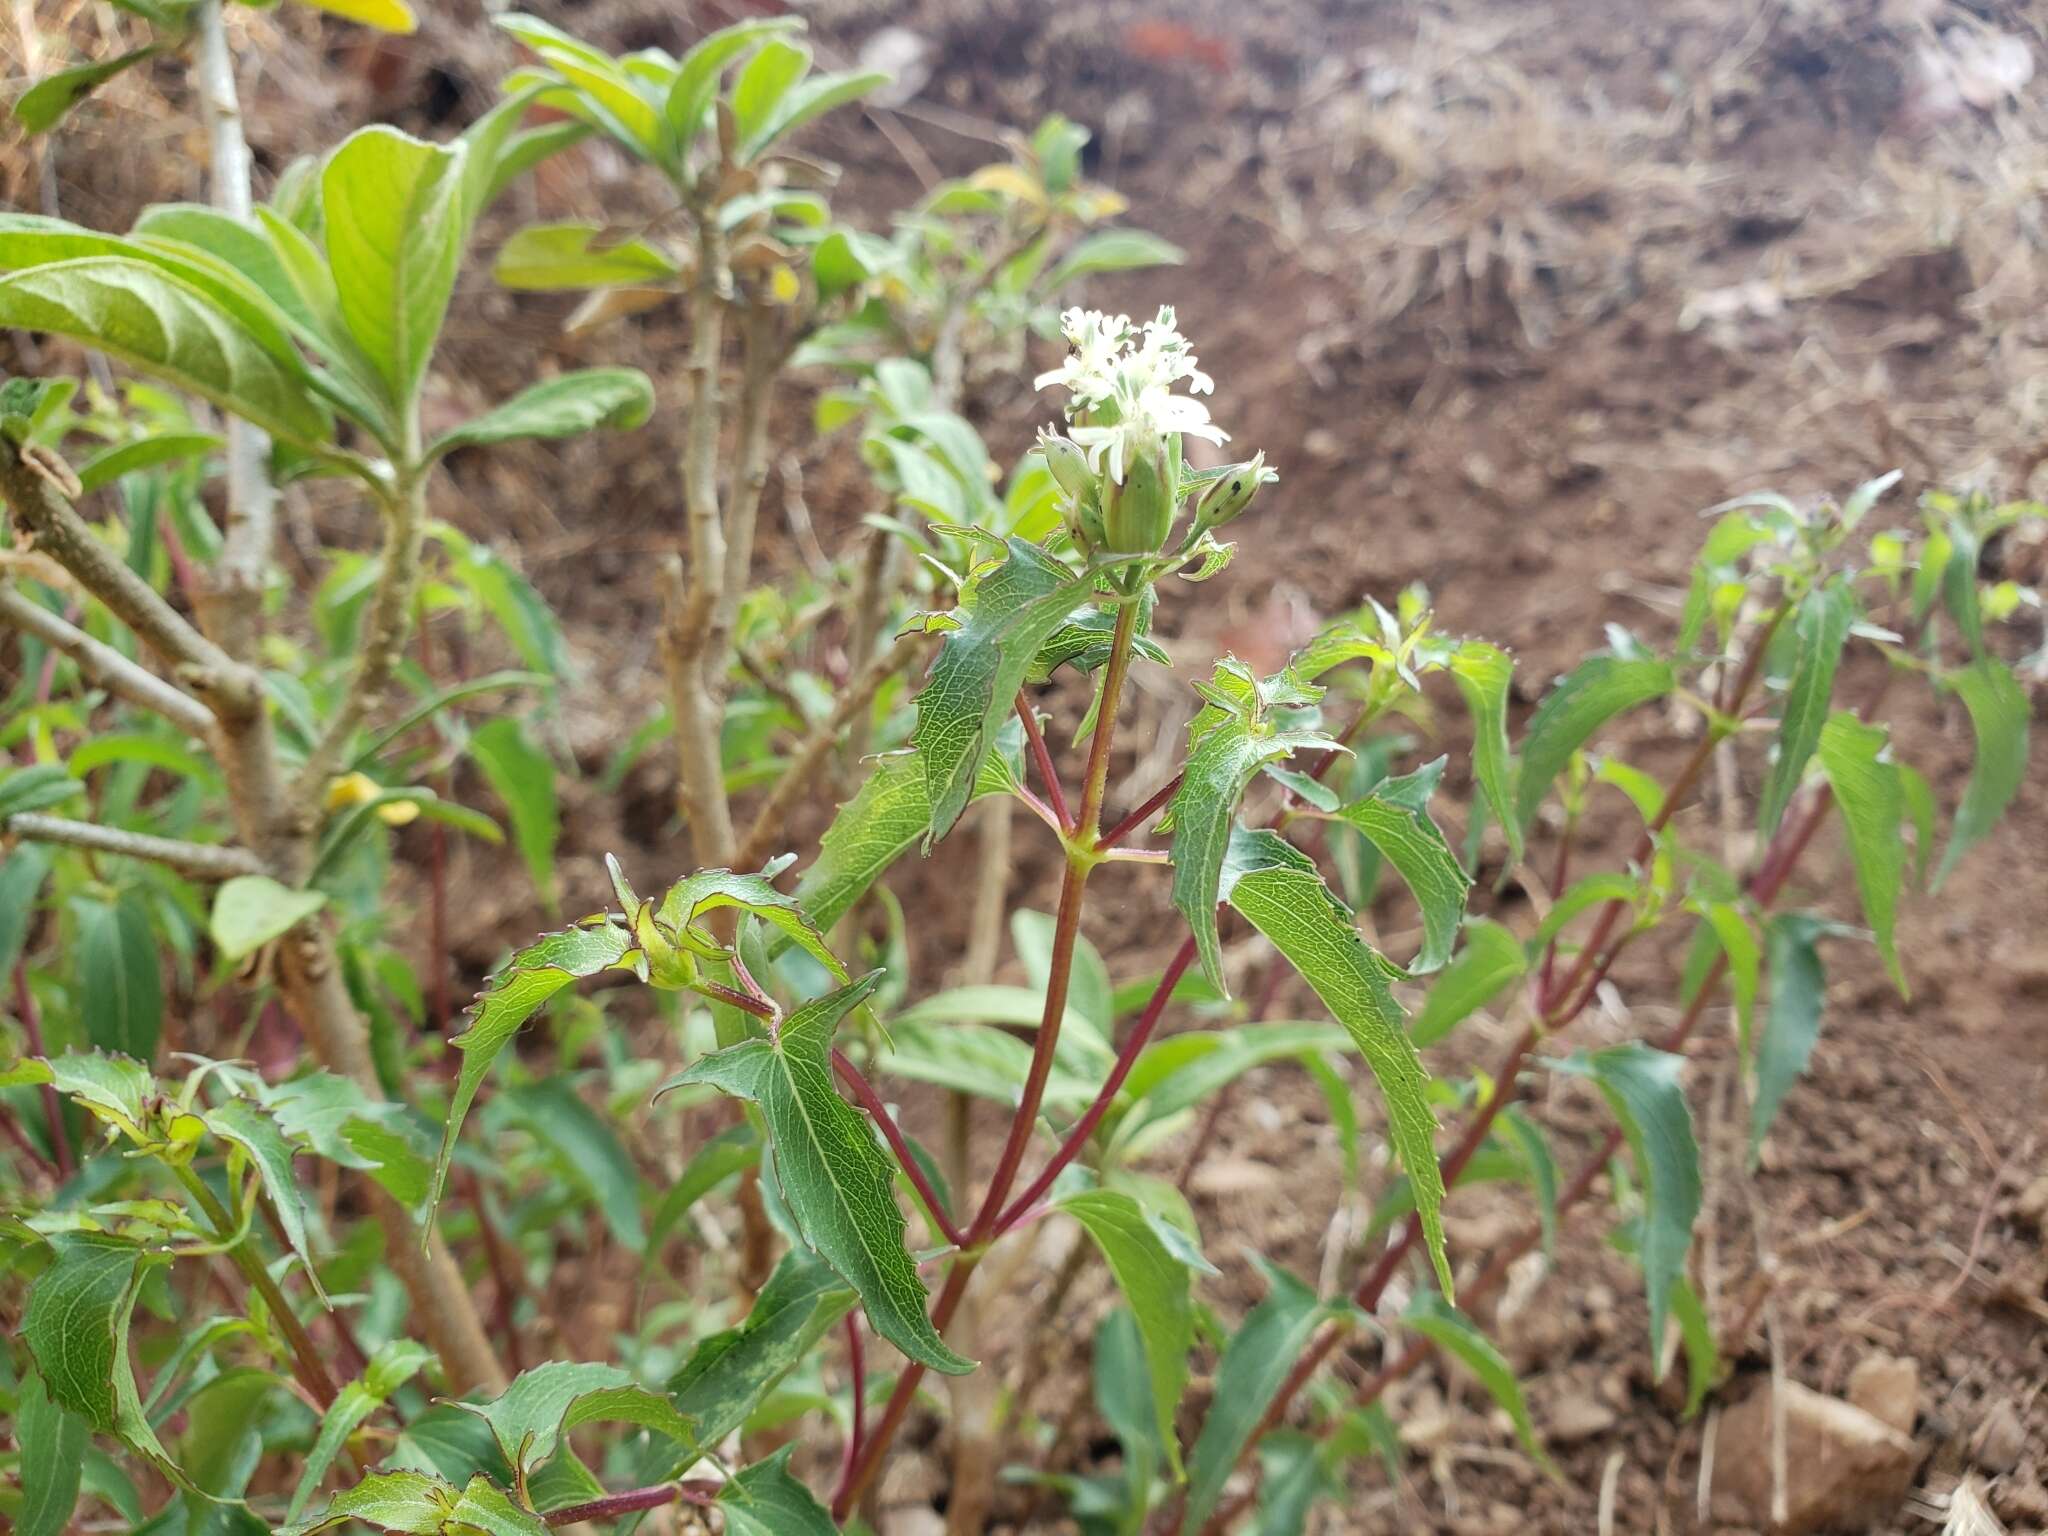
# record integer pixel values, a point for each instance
(1509, 289)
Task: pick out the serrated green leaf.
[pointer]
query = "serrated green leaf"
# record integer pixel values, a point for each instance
(729, 1373)
(1006, 613)
(121, 994)
(1395, 819)
(40, 106)
(1643, 1088)
(1156, 1285)
(394, 1364)
(419, 1505)
(53, 1443)
(2000, 719)
(1819, 629)
(837, 1181)
(1278, 890)
(394, 223)
(523, 776)
(713, 890)
(765, 1500)
(1227, 746)
(1856, 759)
(534, 1415)
(1593, 693)
(1732, 933)
(1255, 1362)
(251, 910)
(1484, 674)
(250, 1127)
(76, 1327)
(560, 256)
(1792, 1024)
(168, 328)
(574, 403)
(1490, 960)
(1113, 250)
(1456, 1334)
(112, 1088)
(512, 996)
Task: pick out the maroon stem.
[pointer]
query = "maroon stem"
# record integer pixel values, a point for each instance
(633, 1500)
(857, 1368)
(1041, 755)
(740, 1000)
(871, 1101)
(53, 1106)
(1077, 1136)
(1142, 814)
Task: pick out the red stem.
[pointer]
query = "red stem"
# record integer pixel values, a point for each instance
(1078, 1134)
(1141, 815)
(53, 1106)
(758, 1007)
(871, 1101)
(1041, 755)
(612, 1505)
(857, 1368)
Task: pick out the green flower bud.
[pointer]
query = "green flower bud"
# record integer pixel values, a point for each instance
(1138, 515)
(1226, 497)
(1069, 465)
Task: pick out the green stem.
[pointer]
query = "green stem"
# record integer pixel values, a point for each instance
(312, 1373)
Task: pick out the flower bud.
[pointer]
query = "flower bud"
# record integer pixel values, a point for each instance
(1069, 465)
(1138, 515)
(1226, 497)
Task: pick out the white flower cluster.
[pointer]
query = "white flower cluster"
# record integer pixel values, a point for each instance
(1120, 378)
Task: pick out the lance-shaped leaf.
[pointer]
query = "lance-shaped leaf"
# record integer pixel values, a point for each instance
(1593, 693)
(42, 104)
(1456, 1334)
(1255, 1362)
(2000, 719)
(1155, 1281)
(532, 976)
(615, 96)
(112, 1088)
(1007, 612)
(245, 1124)
(837, 1181)
(121, 994)
(890, 811)
(570, 256)
(1819, 630)
(1484, 673)
(714, 890)
(394, 1364)
(53, 1444)
(729, 1373)
(1277, 888)
(1857, 760)
(1183, 1070)
(1229, 741)
(1643, 1088)
(583, 401)
(394, 222)
(767, 1500)
(1488, 962)
(532, 1417)
(1727, 929)
(419, 1505)
(697, 77)
(166, 327)
(1395, 819)
(76, 1327)
(810, 99)
(1792, 1022)
(586, 1153)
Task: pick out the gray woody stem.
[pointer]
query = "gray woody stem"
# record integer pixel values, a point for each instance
(206, 861)
(692, 608)
(105, 666)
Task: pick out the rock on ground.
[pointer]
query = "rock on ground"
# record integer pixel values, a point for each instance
(1888, 1389)
(1845, 1469)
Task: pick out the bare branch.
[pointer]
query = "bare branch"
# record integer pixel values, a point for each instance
(104, 665)
(205, 861)
(767, 829)
(232, 691)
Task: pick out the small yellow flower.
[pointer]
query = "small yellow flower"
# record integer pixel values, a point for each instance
(399, 813)
(350, 789)
(783, 286)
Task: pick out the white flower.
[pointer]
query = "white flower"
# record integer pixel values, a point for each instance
(1127, 388)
